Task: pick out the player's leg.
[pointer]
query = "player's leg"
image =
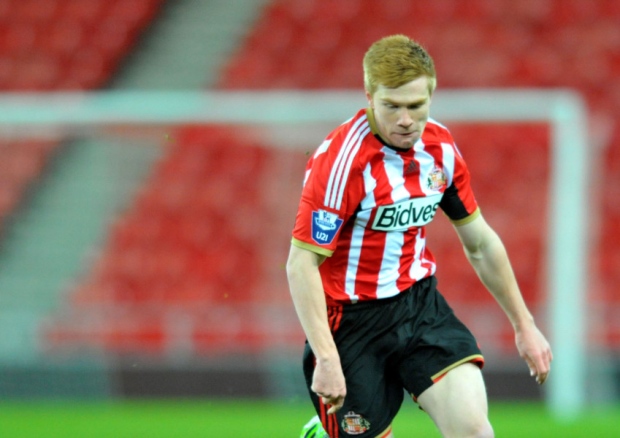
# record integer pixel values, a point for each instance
(372, 400)
(367, 411)
(368, 353)
(458, 403)
(441, 368)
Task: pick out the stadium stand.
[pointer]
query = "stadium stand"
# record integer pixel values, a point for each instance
(170, 258)
(58, 45)
(189, 260)
(67, 44)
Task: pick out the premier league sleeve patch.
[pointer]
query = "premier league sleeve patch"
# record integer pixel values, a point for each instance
(325, 226)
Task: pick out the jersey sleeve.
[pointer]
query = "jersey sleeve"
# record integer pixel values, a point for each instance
(459, 202)
(331, 194)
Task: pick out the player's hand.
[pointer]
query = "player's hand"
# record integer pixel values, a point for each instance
(535, 350)
(328, 383)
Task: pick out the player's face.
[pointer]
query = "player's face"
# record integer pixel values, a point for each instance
(401, 113)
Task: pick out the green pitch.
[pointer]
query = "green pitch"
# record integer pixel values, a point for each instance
(262, 419)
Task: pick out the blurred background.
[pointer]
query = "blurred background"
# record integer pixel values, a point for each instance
(147, 260)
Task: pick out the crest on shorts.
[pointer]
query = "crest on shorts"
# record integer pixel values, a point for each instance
(436, 179)
(354, 424)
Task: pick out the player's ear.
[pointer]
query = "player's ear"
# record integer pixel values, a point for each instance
(369, 98)
(432, 86)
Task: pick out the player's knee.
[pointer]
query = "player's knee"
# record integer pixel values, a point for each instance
(483, 430)
(474, 428)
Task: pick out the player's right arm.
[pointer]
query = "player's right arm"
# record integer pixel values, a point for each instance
(309, 299)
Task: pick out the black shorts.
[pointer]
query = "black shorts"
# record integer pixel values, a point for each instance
(405, 342)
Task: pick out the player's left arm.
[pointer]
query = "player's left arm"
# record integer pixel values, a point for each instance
(487, 254)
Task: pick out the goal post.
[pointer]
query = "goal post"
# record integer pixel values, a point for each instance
(567, 229)
(563, 110)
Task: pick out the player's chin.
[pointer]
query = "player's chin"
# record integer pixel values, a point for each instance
(405, 141)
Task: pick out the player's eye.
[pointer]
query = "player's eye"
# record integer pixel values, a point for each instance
(415, 106)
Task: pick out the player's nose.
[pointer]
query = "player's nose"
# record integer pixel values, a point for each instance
(404, 118)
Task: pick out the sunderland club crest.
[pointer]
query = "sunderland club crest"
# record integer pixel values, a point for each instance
(436, 179)
(355, 424)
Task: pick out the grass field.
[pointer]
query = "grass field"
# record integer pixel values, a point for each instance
(240, 419)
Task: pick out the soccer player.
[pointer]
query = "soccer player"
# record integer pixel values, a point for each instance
(362, 279)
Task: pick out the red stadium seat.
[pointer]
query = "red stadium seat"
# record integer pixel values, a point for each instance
(135, 12)
(110, 332)
(17, 39)
(82, 11)
(32, 11)
(62, 38)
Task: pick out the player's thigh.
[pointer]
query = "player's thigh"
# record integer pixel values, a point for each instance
(373, 398)
(458, 402)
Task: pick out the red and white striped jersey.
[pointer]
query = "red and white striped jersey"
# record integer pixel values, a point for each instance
(365, 204)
